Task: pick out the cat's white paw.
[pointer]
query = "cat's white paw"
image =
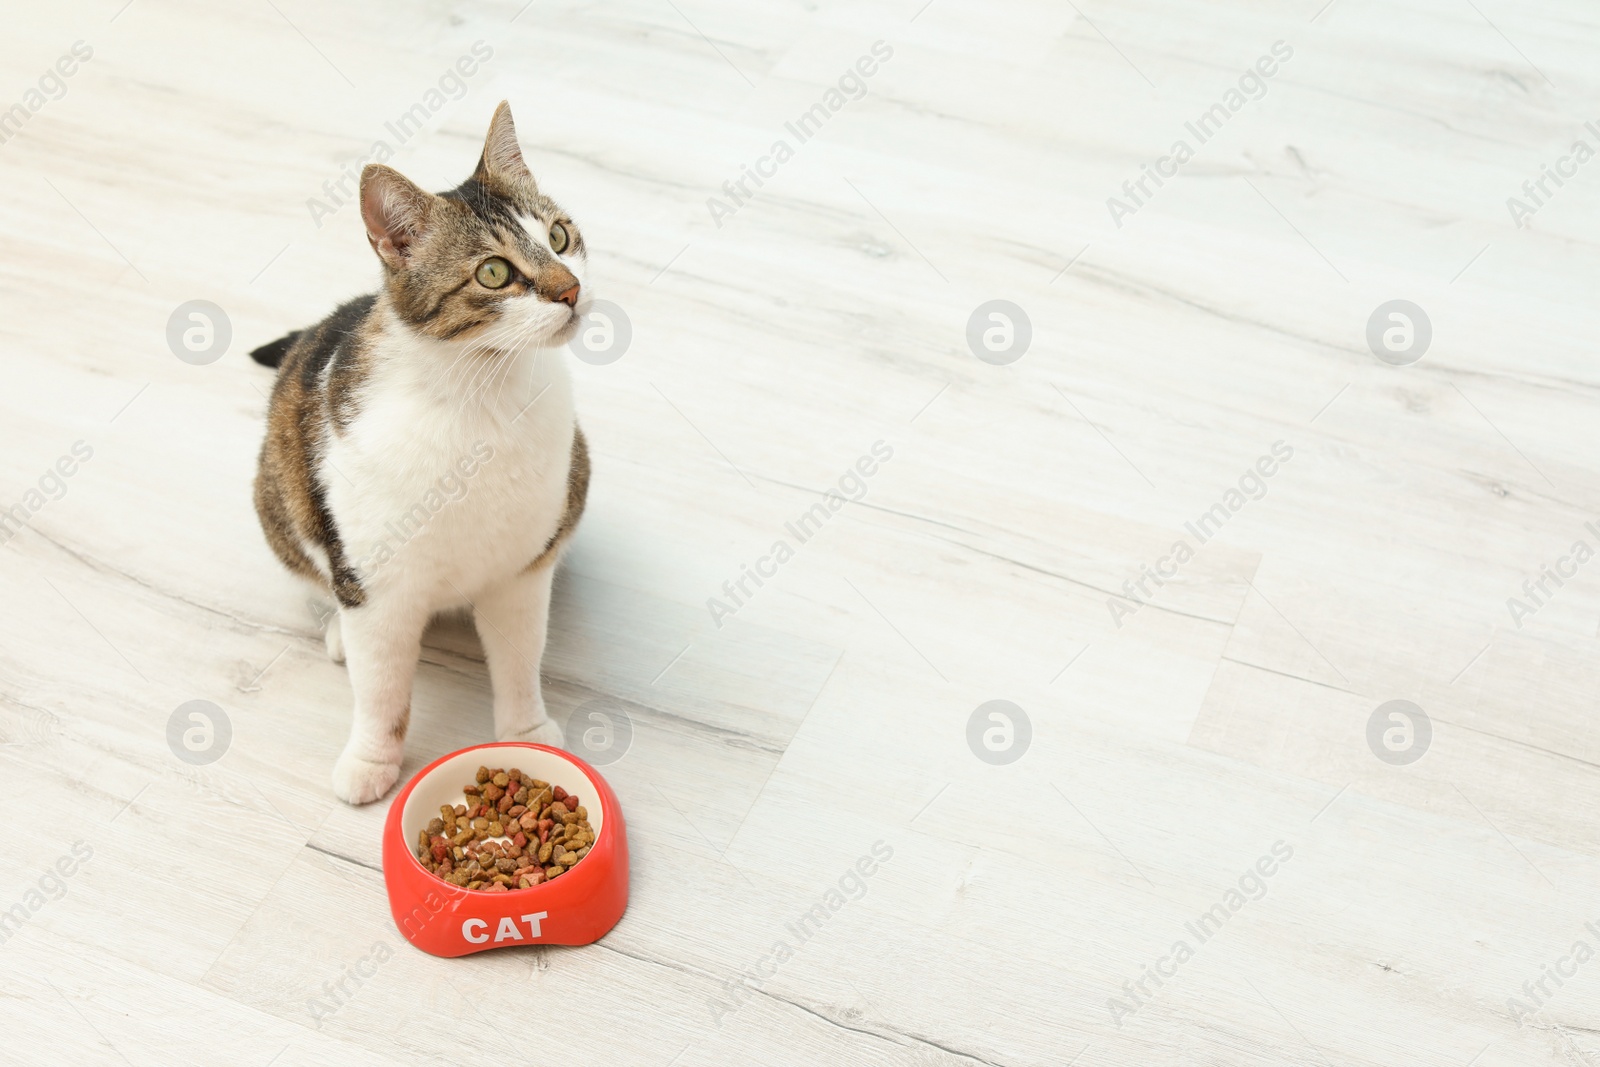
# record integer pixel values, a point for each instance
(359, 781)
(333, 638)
(546, 733)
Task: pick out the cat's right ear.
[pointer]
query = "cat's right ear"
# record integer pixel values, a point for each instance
(395, 212)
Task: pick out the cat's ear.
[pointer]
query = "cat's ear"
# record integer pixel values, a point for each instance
(502, 156)
(395, 212)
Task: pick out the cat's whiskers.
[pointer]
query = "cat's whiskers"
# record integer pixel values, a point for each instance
(469, 363)
(465, 362)
(503, 357)
(461, 361)
(485, 375)
(521, 343)
(505, 376)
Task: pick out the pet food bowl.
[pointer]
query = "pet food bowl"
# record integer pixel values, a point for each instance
(575, 908)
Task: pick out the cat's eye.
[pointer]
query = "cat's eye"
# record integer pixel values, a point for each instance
(493, 273)
(559, 239)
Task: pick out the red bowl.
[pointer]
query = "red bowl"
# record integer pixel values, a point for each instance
(576, 908)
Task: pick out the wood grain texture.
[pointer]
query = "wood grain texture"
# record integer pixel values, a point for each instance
(772, 348)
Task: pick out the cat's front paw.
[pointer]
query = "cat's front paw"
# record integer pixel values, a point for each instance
(360, 781)
(546, 733)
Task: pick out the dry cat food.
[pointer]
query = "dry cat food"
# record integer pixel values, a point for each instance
(514, 832)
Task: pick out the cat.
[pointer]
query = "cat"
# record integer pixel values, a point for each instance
(422, 452)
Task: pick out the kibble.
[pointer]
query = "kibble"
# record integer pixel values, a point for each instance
(515, 832)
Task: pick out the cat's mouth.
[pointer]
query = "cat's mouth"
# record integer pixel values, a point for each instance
(552, 325)
(568, 329)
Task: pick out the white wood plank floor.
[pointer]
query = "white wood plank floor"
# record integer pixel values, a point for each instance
(1428, 913)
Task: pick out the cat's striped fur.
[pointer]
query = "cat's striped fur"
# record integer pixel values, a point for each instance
(449, 377)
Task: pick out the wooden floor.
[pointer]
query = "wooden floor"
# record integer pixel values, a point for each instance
(1181, 740)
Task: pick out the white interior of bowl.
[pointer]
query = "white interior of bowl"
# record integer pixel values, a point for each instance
(442, 785)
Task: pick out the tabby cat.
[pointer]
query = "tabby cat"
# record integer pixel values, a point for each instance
(422, 452)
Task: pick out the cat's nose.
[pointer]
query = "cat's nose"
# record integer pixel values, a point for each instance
(570, 297)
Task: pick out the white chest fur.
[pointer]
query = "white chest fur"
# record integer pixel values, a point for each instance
(438, 491)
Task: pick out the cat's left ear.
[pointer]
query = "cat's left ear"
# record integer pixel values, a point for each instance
(502, 156)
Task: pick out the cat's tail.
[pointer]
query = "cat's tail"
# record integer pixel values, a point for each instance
(271, 354)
